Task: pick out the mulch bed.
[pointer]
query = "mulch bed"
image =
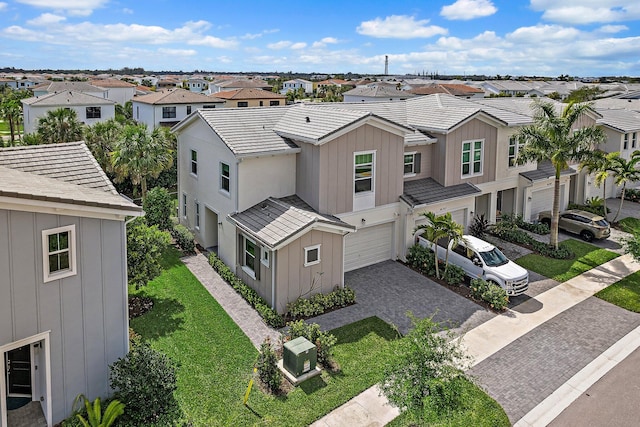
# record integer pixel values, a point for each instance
(139, 305)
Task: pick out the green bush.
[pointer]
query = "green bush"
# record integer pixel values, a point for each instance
(513, 221)
(158, 207)
(324, 341)
(422, 259)
(522, 238)
(479, 226)
(145, 381)
(632, 194)
(267, 366)
(320, 303)
(491, 293)
(270, 316)
(454, 275)
(184, 238)
(145, 246)
(597, 209)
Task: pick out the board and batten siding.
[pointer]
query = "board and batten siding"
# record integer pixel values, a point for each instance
(426, 155)
(86, 312)
(293, 279)
(325, 173)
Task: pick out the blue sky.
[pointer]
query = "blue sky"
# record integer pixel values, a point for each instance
(517, 37)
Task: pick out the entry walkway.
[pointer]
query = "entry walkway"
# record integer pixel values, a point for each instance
(369, 408)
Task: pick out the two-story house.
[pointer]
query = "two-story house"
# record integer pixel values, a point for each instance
(295, 84)
(363, 173)
(64, 86)
(117, 90)
(251, 98)
(63, 287)
(89, 109)
(168, 107)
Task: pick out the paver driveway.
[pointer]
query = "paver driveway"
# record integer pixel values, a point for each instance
(389, 290)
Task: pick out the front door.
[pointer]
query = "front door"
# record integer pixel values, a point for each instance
(18, 363)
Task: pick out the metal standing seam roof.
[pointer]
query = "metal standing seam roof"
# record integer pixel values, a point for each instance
(544, 171)
(274, 220)
(622, 120)
(61, 99)
(427, 190)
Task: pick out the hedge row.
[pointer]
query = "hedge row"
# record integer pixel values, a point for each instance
(522, 238)
(319, 303)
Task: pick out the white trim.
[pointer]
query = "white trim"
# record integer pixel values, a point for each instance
(306, 255)
(413, 164)
(196, 215)
(184, 206)
(191, 163)
(72, 270)
(364, 199)
(471, 173)
(221, 177)
(48, 410)
(67, 209)
(264, 260)
(256, 257)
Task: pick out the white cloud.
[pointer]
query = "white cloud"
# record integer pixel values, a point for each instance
(73, 7)
(177, 52)
(468, 9)
(587, 11)
(324, 42)
(279, 45)
(252, 36)
(215, 42)
(127, 11)
(46, 19)
(3, 5)
(299, 45)
(541, 34)
(399, 27)
(612, 29)
(224, 59)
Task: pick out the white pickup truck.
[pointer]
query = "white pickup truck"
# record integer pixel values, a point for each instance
(480, 259)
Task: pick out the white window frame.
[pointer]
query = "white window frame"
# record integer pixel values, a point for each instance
(194, 163)
(625, 142)
(264, 257)
(634, 139)
(72, 270)
(373, 172)
(471, 161)
(246, 268)
(517, 145)
(308, 250)
(413, 164)
(197, 215)
(184, 205)
(223, 178)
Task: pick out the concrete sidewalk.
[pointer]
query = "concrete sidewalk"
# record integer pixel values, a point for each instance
(371, 409)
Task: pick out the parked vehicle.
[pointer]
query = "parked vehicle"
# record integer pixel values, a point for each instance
(480, 259)
(588, 225)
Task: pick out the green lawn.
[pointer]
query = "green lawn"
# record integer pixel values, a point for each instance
(625, 293)
(587, 256)
(629, 224)
(216, 360)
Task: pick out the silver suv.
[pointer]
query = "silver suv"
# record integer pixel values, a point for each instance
(588, 225)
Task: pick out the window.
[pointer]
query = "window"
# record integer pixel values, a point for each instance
(194, 163)
(188, 109)
(265, 257)
(208, 106)
(93, 112)
(515, 145)
(184, 205)
(471, 158)
(59, 252)
(261, 103)
(311, 255)
(363, 177)
(243, 104)
(411, 163)
(250, 255)
(274, 103)
(224, 177)
(197, 215)
(168, 112)
(633, 140)
(625, 146)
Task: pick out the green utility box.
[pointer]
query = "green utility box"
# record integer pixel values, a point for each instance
(300, 356)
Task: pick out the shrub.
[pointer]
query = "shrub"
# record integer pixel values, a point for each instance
(145, 245)
(183, 238)
(324, 341)
(158, 207)
(454, 275)
(491, 293)
(632, 194)
(478, 227)
(267, 366)
(145, 380)
(270, 316)
(320, 303)
(422, 259)
(520, 237)
(598, 210)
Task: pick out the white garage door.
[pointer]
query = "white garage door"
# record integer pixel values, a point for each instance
(368, 246)
(542, 200)
(459, 216)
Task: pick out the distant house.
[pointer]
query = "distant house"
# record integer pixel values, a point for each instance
(81, 87)
(197, 85)
(168, 107)
(251, 98)
(117, 90)
(228, 85)
(63, 287)
(324, 84)
(295, 84)
(376, 93)
(90, 109)
(459, 90)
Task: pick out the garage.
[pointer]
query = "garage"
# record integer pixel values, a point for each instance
(459, 216)
(542, 200)
(368, 246)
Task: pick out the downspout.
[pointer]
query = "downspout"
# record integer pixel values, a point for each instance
(273, 280)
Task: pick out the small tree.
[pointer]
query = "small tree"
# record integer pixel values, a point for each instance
(625, 171)
(632, 245)
(145, 246)
(433, 231)
(267, 366)
(158, 207)
(425, 369)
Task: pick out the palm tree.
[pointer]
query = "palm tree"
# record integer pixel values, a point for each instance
(59, 125)
(433, 230)
(625, 171)
(11, 111)
(453, 232)
(101, 138)
(599, 163)
(552, 137)
(140, 154)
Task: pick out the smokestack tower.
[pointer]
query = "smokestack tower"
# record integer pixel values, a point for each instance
(386, 65)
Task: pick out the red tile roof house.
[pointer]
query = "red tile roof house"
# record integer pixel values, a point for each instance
(296, 196)
(63, 287)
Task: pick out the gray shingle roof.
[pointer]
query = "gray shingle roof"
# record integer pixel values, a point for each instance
(545, 170)
(622, 120)
(427, 190)
(273, 220)
(70, 162)
(67, 98)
